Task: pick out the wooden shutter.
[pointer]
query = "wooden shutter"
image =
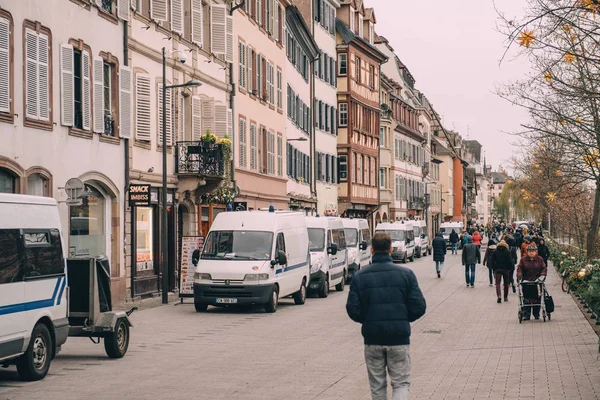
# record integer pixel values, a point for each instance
(218, 13)
(276, 10)
(279, 155)
(197, 22)
(253, 155)
(142, 107)
(168, 123)
(125, 102)
(177, 16)
(230, 123)
(123, 9)
(220, 119)
(86, 106)
(44, 78)
(158, 10)
(249, 61)
(31, 74)
(98, 95)
(197, 118)
(242, 64)
(67, 99)
(229, 39)
(243, 144)
(180, 116)
(208, 116)
(5, 65)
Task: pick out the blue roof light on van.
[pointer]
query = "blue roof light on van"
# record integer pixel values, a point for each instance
(271, 208)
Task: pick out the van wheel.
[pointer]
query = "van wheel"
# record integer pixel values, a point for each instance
(405, 259)
(418, 254)
(340, 286)
(34, 364)
(324, 290)
(200, 307)
(273, 302)
(300, 295)
(412, 258)
(116, 343)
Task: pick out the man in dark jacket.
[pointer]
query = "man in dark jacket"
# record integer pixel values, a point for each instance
(453, 239)
(488, 261)
(544, 251)
(439, 252)
(470, 257)
(385, 299)
(503, 264)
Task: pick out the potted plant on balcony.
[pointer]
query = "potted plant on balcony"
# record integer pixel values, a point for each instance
(209, 137)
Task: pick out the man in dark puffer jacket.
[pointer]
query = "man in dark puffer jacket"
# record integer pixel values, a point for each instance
(385, 299)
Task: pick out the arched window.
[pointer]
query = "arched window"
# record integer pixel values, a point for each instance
(38, 185)
(8, 182)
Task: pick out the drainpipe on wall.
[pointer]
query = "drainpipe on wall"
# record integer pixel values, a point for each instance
(313, 135)
(232, 107)
(126, 155)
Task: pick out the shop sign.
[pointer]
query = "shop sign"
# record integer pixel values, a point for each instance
(360, 207)
(139, 195)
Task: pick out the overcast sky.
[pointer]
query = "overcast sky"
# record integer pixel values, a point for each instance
(452, 48)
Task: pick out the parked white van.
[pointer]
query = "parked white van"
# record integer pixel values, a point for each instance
(422, 246)
(253, 257)
(358, 244)
(447, 227)
(328, 255)
(403, 243)
(33, 301)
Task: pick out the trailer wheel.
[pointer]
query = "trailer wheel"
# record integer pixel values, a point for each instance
(117, 342)
(34, 364)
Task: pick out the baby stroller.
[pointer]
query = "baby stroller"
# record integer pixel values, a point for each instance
(533, 294)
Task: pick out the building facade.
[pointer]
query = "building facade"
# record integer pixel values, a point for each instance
(197, 41)
(359, 71)
(62, 117)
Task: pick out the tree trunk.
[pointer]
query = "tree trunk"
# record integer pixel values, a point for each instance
(592, 235)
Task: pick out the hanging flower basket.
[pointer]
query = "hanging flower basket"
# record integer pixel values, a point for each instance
(221, 195)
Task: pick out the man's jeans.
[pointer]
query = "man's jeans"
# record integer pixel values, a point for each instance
(455, 248)
(438, 266)
(470, 274)
(394, 359)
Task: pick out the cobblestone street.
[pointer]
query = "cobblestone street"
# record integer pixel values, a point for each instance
(466, 346)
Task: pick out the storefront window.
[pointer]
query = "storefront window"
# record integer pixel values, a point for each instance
(7, 182)
(87, 225)
(37, 185)
(143, 239)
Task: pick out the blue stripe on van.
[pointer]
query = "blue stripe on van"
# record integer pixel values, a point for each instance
(34, 305)
(62, 288)
(292, 267)
(338, 264)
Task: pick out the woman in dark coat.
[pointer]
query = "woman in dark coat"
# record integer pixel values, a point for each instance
(544, 251)
(439, 253)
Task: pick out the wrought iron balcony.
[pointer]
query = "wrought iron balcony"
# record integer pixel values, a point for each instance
(200, 158)
(416, 203)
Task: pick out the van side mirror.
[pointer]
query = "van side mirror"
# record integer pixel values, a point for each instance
(281, 258)
(407, 241)
(422, 236)
(332, 249)
(364, 245)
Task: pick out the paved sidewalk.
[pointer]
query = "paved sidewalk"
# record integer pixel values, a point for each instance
(466, 347)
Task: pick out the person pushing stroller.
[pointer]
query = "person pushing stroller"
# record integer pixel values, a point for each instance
(531, 268)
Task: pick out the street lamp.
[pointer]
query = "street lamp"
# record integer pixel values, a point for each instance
(302, 139)
(164, 216)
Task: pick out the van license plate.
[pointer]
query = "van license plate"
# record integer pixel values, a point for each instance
(227, 301)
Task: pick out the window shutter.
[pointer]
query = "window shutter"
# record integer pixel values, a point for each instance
(98, 95)
(123, 9)
(86, 90)
(230, 123)
(243, 144)
(125, 102)
(276, 11)
(67, 85)
(253, 156)
(158, 10)
(177, 16)
(196, 118)
(220, 119)
(4, 65)
(197, 22)
(249, 61)
(229, 39)
(44, 78)
(272, 17)
(180, 117)
(142, 107)
(242, 64)
(218, 13)
(208, 115)
(31, 76)
(169, 122)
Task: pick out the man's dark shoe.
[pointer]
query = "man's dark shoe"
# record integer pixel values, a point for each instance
(499, 300)
(505, 299)
(514, 288)
(537, 317)
(439, 275)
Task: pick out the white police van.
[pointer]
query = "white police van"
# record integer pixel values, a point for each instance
(403, 239)
(422, 245)
(358, 244)
(253, 257)
(33, 299)
(328, 255)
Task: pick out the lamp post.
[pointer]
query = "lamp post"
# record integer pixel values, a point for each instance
(164, 264)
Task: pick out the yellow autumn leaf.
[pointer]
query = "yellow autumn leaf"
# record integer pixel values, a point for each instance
(567, 28)
(569, 57)
(540, 171)
(543, 144)
(548, 77)
(531, 205)
(526, 38)
(578, 120)
(558, 172)
(551, 197)
(562, 122)
(537, 165)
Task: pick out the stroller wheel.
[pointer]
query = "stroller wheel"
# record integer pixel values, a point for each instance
(520, 316)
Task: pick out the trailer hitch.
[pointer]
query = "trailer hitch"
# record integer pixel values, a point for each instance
(131, 311)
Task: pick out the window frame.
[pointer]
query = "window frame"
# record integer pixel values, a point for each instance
(343, 113)
(9, 116)
(343, 64)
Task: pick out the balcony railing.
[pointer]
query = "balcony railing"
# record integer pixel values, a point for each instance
(416, 203)
(200, 158)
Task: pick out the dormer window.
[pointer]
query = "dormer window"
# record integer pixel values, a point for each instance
(352, 28)
(371, 33)
(360, 26)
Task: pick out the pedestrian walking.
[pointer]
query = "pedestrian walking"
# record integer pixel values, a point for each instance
(526, 242)
(504, 266)
(477, 239)
(439, 252)
(531, 268)
(454, 241)
(470, 257)
(544, 251)
(487, 260)
(385, 299)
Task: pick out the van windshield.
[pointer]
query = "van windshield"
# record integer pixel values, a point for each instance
(417, 230)
(448, 230)
(396, 235)
(316, 239)
(351, 237)
(238, 245)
